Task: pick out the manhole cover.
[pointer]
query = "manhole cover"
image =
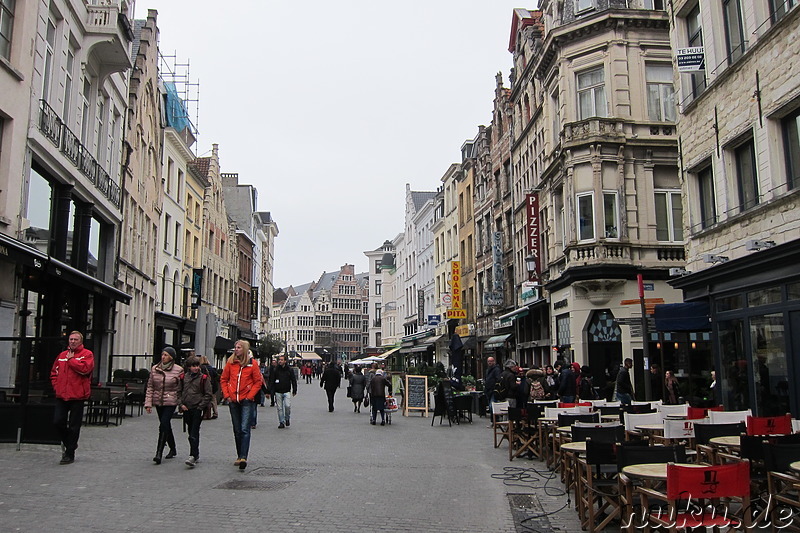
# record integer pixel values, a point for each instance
(272, 471)
(253, 484)
(528, 513)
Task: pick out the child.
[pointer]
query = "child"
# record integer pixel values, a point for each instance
(196, 395)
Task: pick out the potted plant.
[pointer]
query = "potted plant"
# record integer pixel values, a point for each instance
(469, 382)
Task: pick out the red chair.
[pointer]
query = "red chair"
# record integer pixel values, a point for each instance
(562, 405)
(769, 425)
(696, 413)
(701, 486)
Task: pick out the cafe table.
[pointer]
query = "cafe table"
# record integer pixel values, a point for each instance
(561, 435)
(569, 454)
(795, 466)
(609, 418)
(651, 429)
(733, 442)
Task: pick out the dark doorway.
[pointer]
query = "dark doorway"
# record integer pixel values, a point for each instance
(605, 350)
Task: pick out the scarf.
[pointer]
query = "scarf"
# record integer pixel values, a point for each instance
(165, 367)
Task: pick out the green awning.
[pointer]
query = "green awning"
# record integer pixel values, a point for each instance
(496, 341)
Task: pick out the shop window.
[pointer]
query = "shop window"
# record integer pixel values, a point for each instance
(729, 303)
(791, 140)
(793, 291)
(669, 216)
(733, 376)
(768, 296)
(767, 344)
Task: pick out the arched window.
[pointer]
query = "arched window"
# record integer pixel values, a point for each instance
(161, 305)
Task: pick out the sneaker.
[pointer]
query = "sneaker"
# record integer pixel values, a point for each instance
(66, 459)
(287, 423)
(242, 464)
(191, 461)
(281, 425)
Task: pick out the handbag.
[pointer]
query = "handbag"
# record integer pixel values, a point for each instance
(349, 391)
(366, 401)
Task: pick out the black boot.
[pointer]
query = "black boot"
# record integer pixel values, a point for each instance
(159, 448)
(173, 451)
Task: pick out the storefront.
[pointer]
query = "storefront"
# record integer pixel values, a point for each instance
(754, 304)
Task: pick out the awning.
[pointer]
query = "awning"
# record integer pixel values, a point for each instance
(496, 341)
(221, 344)
(72, 275)
(309, 356)
(513, 315)
(387, 353)
(420, 348)
(19, 252)
(691, 316)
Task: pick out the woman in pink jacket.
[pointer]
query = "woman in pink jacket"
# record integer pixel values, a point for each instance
(163, 391)
(240, 383)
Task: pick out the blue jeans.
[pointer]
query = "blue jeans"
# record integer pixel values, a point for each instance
(624, 398)
(242, 419)
(283, 400)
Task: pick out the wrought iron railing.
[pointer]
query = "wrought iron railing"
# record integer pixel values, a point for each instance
(68, 144)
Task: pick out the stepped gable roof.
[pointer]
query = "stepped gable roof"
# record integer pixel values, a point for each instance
(420, 198)
(137, 38)
(291, 304)
(326, 281)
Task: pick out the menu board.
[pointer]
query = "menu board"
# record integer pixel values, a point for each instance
(416, 390)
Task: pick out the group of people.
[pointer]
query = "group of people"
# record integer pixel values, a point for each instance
(191, 389)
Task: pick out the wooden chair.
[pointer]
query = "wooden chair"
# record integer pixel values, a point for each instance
(728, 417)
(631, 420)
(598, 487)
(690, 490)
(673, 410)
(598, 432)
(769, 425)
(676, 432)
(703, 433)
(522, 433)
(500, 425)
(783, 483)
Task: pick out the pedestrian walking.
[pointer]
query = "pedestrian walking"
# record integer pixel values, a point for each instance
(624, 387)
(71, 377)
(195, 396)
(240, 383)
(213, 376)
(377, 395)
(490, 380)
(331, 380)
(163, 393)
(306, 371)
(283, 385)
(358, 384)
(272, 366)
(672, 388)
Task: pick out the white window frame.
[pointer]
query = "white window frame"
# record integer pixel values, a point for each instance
(578, 200)
(50, 40)
(673, 226)
(612, 234)
(596, 91)
(663, 108)
(583, 5)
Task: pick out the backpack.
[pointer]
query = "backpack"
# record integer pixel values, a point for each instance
(537, 391)
(500, 392)
(586, 389)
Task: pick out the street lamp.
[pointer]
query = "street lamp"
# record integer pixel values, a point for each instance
(530, 265)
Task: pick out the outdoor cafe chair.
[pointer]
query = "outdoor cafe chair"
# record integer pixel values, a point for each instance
(638, 409)
(500, 424)
(769, 425)
(728, 417)
(694, 413)
(611, 432)
(101, 407)
(598, 488)
(783, 482)
(631, 420)
(523, 433)
(635, 453)
(691, 489)
(673, 410)
(703, 433)
(676, 431)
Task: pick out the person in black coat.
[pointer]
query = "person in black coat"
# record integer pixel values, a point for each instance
(490, 381)
(331, 380)
(567, 384)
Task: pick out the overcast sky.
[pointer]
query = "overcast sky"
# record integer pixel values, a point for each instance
(330, 108)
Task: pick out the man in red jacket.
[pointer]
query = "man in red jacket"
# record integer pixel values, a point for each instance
(71, 377)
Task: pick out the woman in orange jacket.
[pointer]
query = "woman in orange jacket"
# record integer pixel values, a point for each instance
(240, 383)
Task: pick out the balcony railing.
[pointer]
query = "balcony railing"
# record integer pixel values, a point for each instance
(68, 144)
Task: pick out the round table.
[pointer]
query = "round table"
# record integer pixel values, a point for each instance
(609, 418)
(577, 447)
(564, 429)
(732, 441)
(655, 471)
(795, 466)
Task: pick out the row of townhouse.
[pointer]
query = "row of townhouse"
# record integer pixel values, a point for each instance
(325, 319)
(109, 223)
(620, 206)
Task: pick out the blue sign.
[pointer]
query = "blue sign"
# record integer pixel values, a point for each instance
(434, 320)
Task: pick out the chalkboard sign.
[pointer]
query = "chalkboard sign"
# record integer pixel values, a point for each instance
(416, 390)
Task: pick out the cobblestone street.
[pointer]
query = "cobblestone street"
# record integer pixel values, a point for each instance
(327, 472)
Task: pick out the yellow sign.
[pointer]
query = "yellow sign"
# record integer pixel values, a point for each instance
(456, 313)
(455, 283)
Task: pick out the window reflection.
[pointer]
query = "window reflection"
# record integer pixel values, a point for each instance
(769, 363)
(733, 374)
